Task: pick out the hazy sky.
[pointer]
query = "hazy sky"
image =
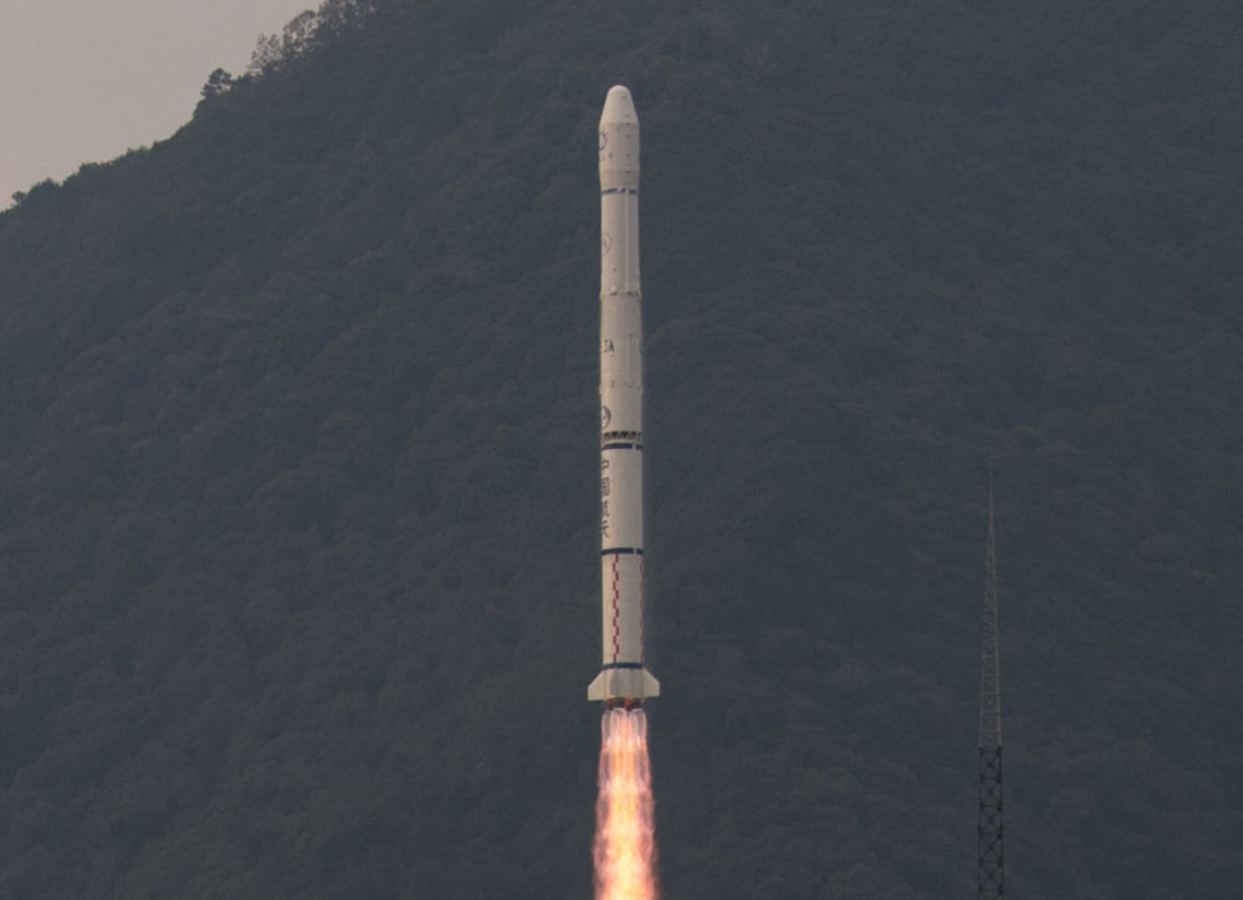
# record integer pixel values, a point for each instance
(86, 80)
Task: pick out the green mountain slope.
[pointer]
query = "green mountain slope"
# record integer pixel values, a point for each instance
(298, 592)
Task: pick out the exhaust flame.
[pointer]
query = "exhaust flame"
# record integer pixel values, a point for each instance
(625, 846)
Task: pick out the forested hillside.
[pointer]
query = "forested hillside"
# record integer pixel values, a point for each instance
(298, 449)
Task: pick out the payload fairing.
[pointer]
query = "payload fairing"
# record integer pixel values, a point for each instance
(624, 681)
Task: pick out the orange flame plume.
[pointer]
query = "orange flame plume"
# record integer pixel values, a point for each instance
(625, 847)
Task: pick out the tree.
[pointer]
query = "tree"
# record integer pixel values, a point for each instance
(218, 82)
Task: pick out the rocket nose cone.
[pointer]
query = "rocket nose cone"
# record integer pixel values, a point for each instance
(618, 107)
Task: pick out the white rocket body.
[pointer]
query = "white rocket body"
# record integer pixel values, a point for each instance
(624, 681)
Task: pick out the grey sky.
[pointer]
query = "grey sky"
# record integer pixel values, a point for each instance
(86, 80)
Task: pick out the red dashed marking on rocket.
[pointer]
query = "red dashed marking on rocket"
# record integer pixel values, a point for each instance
(616, 611)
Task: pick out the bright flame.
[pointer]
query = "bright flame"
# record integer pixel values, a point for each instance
(625, 848)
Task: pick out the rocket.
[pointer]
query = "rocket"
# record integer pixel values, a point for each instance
(623, 681)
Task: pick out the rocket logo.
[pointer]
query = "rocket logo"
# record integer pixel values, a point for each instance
(606, 416)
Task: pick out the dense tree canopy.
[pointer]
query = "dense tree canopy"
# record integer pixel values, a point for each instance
(297, 457)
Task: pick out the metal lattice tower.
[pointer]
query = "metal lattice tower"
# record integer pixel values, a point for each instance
(991, 883)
